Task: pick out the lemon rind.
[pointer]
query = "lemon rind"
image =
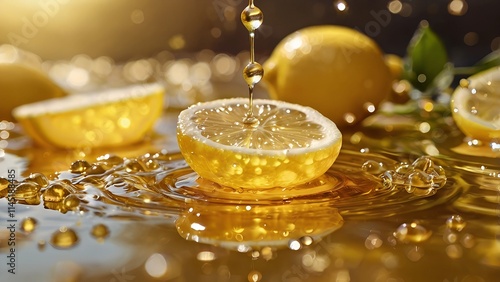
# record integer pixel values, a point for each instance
(329, 128)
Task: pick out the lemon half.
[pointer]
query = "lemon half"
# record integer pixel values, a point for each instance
(102, 119)
(291, 145)
(21, 84)
(476, 105)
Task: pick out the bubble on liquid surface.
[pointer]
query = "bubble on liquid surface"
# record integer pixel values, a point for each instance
(456, 223)
(412, 232)
(64, 238)
(422, 177)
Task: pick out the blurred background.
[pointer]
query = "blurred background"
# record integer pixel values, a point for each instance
(134, 29)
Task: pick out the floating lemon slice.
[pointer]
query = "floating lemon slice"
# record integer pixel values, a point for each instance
(102, 119)
(291, 145)
(475, 105)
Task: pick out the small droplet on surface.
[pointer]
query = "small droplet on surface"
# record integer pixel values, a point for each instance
(71, 202)
(373, 167)
(55, 193)
(456, 223)
(79, 166)
(39, 178)
(412, 233)
(100, 231)
(29, 224)
(64, 238)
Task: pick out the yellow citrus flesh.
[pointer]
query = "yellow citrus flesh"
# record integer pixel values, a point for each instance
(291, 145)
(20, 84)
(336, 70)
(109, 118)
(476, 106)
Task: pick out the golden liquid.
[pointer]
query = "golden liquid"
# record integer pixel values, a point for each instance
(252, 18)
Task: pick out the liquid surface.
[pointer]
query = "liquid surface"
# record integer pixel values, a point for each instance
(401, 203)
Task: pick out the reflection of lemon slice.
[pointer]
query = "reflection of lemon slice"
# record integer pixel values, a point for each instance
(336, 70)
(102, 119)
(291, 145)
(476, 105)
(252, 226)
(20, 84)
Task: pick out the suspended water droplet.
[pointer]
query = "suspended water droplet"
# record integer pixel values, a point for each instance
(252, 18)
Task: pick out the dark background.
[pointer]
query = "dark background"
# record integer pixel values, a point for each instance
(65, 28)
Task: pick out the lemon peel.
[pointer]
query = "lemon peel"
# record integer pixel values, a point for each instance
(291, 145)
(476, 105)
(336, 70)
(21, 84)
(112, 117)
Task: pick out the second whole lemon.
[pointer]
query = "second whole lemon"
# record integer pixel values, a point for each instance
(337, 70)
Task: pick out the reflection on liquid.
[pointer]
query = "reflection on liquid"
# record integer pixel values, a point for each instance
(252, 227)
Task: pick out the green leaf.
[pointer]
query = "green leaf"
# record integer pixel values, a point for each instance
(426, 58)
(491, 60)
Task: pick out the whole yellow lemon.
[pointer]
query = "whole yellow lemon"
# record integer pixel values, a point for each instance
(21, 84)
(336, 70)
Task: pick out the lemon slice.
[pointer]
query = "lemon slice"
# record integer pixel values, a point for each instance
(109, 118)
(476, 105)
(291, 145)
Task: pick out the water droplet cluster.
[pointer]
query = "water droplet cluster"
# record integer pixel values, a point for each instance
(423, 177)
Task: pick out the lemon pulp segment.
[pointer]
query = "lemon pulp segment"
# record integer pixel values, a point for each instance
(476, 107)
(290, 145)
(102, 119)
